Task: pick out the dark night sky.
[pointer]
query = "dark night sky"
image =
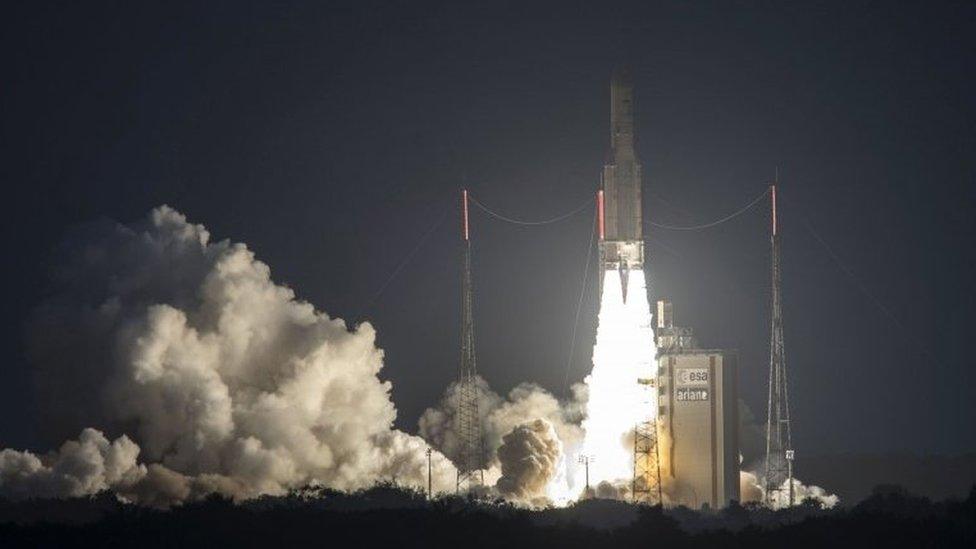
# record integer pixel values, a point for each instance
(330, 138)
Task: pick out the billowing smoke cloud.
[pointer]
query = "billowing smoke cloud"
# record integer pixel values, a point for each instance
(751, 490)
(529, 455)
(527, 401)
(618, 490)
(81, 467)
(752, 440)
(225, 380)
(439, 426)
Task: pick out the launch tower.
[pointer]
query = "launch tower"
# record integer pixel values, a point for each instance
(779, 445)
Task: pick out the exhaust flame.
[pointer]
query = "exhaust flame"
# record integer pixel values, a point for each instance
(623, 354)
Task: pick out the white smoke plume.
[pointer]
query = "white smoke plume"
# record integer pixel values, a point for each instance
(81, 467)
(751, 446)
(439, 425)
(751, 490)
(526, 402)
(529, 456)
(225, 380)
(529, 401)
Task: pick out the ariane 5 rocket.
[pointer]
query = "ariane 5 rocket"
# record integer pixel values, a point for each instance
(619, 216)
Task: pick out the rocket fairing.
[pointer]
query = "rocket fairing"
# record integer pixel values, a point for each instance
(619, 202)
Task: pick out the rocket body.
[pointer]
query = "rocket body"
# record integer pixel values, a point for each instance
(621, 230)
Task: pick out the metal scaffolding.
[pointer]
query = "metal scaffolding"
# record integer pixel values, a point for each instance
(647, 465)
(646, 485)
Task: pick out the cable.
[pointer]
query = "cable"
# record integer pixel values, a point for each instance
(857, 281)
(406, 259)
(579, 306)
(524, 222)
(863, 287)
(729, 217)
(657, 242)
(659, 198)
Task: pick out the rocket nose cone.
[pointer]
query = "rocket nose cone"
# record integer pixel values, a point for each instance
(622, 74)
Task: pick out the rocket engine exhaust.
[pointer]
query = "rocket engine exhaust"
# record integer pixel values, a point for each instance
(624, 270)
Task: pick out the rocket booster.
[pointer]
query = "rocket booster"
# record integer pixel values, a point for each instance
(619, 200)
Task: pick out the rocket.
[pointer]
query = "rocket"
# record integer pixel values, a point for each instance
(619, 208)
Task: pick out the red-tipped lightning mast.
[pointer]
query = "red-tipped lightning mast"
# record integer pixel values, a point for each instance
(599, 213)
(471, 447)
(464, 214)
(779, 436)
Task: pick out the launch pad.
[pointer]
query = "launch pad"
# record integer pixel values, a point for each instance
(652, 387)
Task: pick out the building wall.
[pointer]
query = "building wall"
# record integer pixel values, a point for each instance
(699, 420)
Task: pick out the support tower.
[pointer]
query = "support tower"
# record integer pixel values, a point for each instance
(647, 464)
(779, 445)
(470, 459)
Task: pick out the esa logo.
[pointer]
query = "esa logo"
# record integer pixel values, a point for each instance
(693, 376)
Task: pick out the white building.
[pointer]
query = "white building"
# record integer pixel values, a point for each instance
(698, 418)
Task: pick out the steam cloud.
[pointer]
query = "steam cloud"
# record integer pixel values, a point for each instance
(752, 447)
(81, 467)
(499, 416)
(529, 456)
(224, 380)
(751, 490)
